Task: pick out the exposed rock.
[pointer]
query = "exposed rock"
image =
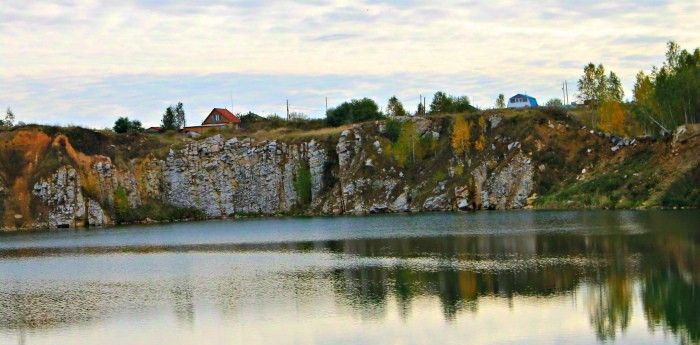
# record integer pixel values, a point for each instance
(65, 206)
(494, 121)
(400, 204)
(436, 203)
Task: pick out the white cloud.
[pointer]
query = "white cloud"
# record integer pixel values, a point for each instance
(517, 46)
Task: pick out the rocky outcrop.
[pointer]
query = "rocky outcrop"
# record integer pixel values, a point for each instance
(222, 177)
(234, 176)
(64, 203)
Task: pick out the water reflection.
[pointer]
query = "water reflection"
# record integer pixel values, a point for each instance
(650, 262)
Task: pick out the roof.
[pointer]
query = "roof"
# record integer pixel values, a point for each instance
(226, 114)
(530, 99)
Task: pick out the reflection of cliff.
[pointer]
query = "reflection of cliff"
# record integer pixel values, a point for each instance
(612, 269)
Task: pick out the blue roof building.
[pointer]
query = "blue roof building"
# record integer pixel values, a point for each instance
(522, 101)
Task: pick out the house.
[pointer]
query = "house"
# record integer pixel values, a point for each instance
(217, 118)
(154, 130)
(522, 101)
(221, 117)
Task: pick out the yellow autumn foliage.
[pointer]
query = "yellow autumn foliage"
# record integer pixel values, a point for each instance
(461, 135)
(480, 143)
(612, 118)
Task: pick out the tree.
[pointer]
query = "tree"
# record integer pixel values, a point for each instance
(421, 109)
(357, 110)
(441, 103)
(461, 136)
(174, 117)
(445, 104)
(407, 147)
(614, 89)
(593, 84)
(124, 125)
(180, 115)
(677, 86)
(587, 84)
(645, 107)
(8, 122)
(394, 107)
(460, 104)
(501, 101)
(612, 117)
(169, 121)
(554, 102)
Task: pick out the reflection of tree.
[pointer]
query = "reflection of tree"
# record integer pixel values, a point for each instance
(364, 288)
(610, 306)
(671, 286)
(183, 301)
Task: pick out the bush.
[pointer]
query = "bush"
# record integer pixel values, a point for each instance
(558, 113)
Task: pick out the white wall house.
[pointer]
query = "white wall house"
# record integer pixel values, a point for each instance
(522, 101)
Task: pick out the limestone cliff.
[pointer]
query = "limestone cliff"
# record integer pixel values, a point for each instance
(357, 171)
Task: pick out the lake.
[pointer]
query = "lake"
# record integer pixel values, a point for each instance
(510, 277)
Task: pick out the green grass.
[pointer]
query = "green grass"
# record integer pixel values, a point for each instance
(624, 185)
(157, 211)
(684, 192)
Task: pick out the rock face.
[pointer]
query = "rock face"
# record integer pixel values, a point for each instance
(223, 177)
(64, 203)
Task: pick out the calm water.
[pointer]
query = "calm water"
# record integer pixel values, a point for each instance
(482, 278)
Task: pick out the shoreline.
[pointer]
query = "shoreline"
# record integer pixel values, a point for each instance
(344, 215)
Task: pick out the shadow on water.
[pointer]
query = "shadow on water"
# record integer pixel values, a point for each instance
(649, 257)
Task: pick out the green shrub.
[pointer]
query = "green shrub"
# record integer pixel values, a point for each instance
(155, 210)
(302, 183)
(393, 130)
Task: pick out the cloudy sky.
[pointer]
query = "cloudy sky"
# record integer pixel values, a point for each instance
(87, 62)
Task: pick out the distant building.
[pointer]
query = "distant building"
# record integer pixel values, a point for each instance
(217, 118)
(522, 101)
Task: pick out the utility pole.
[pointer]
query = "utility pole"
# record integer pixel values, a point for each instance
(326, 105)
(287, 109)
(566, 87)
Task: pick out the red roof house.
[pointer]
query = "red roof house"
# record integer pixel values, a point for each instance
(217, 118)
(221, 116)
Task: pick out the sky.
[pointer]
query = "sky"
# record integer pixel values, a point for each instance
(88, 62)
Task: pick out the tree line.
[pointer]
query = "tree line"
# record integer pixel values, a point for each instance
(358, 110)
(665, 98)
